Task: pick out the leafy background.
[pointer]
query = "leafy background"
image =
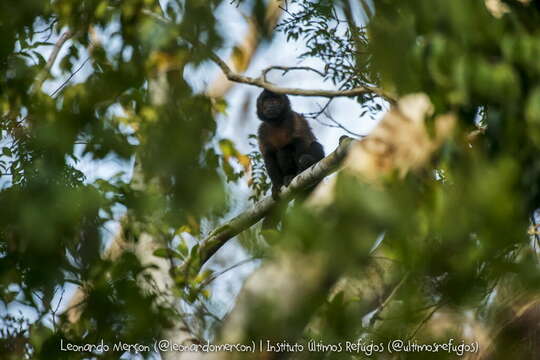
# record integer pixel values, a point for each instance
(118, 156)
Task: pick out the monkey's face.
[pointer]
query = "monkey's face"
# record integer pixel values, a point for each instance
(272, 107)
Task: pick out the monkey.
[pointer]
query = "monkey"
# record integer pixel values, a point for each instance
(286, 141)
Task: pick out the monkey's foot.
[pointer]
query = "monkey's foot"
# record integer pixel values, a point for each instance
(275, 192)
(305, 161)
(287, 180)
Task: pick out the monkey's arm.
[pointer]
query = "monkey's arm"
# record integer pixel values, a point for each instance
(307, 156)
(274, 172)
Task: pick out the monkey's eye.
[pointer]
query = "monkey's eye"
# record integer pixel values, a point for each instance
(273, 102)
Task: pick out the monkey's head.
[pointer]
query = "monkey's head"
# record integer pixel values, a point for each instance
(272, 107)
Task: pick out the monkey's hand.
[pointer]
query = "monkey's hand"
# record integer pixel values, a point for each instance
(306, 161)
(287, 180)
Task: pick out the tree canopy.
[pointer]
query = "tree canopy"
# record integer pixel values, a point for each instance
(125, 202)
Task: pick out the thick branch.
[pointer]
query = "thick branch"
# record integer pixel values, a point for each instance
(219, 236)
(259, 82)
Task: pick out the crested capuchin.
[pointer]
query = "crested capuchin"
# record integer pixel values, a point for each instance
(286, 141)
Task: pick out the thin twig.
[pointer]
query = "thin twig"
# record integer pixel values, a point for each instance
(63, 85)
(424, 320)
(286, 69)
(207, 312)
(386, 301)
(535, 228)
(218, 274)
(337, 124)
(322, 109)
(54, 311)
(47, 28)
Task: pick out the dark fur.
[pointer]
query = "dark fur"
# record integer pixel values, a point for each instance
(285, 140)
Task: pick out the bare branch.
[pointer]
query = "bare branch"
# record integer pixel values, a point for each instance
(324, 110)
(57, 47)
(259, 82)
(217, 238)
(48, 27)
(65, 82)
(286, 69)
(52, 58)
(94, 42)
(424, 320)
(207, 281)
(384, 304)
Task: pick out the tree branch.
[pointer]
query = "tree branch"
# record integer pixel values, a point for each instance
(424, 320)
(259, 82)
(57, 47)
(219, 236)
(286, 69)
(384, 304)
(262, 83)
(52, 58)
(334, 123)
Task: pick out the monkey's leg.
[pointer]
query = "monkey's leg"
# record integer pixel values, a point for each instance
(287, 163)
(305, 157)
(273, 168)
(293, 159)
(287, 166)
(274, 172)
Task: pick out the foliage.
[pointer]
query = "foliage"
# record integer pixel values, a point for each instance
(455, 231)
(53, 217)
(332, 33)
(459, 236)
(339, 43)
(259, 183)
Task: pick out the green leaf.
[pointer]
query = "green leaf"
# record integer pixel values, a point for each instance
(183, 248)
(6, 151)
(164, 253)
